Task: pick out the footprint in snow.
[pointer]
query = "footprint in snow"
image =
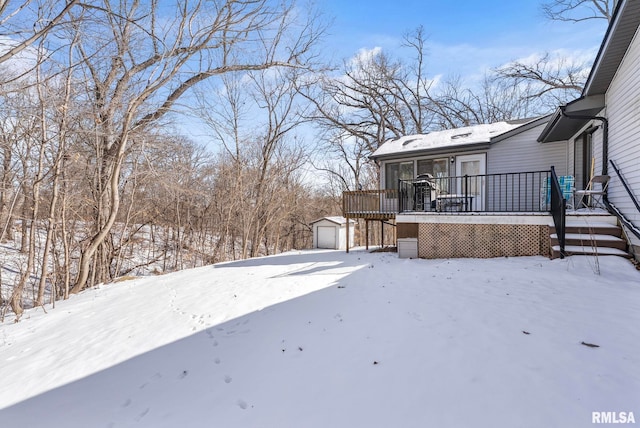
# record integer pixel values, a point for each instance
(142, 415)
(227, 379)
(153, 378)
(242, 404)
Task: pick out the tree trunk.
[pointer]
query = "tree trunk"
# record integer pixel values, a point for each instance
(99, 238)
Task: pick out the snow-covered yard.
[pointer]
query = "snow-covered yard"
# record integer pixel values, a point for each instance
(328, 339)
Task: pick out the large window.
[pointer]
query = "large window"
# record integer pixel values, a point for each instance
(397, 171)
(438, 168)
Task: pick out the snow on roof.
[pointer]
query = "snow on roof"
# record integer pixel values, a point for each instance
(333, 219)
(447, 138)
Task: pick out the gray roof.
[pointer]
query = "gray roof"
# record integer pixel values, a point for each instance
(622, 29)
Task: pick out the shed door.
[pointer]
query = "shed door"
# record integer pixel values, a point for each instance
(327, 237)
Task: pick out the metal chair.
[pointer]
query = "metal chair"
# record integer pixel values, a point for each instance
(593, 195)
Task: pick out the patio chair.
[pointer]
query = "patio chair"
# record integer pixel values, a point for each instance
(593, 195)
(566, 182)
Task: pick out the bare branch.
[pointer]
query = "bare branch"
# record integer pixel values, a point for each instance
(38, 33)
(578, 10)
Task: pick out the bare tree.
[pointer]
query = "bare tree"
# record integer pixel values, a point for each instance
(551, 79)
(578, 10)
(375, 97)
(138, 63)
(547, 80)
(255, 120)
(23, 28)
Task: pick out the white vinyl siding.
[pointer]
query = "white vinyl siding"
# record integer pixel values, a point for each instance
(623, 112)
(523, 153)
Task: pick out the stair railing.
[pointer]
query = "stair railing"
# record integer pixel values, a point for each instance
(633, 228)
(558, 210)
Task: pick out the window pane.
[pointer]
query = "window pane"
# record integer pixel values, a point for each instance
(438, 168)
(471, 168)
(406, 171)
(425, 166)
(397, 171)
(391, 175)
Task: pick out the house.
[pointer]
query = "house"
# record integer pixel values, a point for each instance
(478, 191)
(503, 189)
(487, 150)
(602, 127)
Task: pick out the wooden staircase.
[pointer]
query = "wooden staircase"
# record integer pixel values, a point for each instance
(596, 234)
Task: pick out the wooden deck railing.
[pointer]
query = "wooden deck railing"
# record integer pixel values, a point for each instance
(370, 204)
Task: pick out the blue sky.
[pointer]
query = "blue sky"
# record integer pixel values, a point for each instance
(465, 37)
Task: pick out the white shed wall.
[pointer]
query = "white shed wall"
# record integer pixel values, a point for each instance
(340, 231)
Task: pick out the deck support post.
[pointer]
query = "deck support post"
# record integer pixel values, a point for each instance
(366, 233)
(348, 221)
(381, 233)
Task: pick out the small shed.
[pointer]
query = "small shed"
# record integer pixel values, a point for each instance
(331, 233)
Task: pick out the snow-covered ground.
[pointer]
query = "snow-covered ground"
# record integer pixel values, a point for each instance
(328, 339)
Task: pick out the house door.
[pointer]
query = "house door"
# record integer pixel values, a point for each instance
(583, 160)
(475, 167)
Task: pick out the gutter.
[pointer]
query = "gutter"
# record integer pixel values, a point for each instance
(446, 150)
(553, 120)
(605, 135)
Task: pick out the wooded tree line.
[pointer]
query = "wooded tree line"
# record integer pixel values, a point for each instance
(98, 178)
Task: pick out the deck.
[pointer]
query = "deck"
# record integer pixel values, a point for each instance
(370, 204)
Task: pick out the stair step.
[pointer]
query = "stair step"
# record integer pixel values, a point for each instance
(588, 250)
(592, 229)
(592, 234)
(585, 239)
(593, 224)
(592, 217)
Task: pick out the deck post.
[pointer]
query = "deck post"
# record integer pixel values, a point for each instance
(381, 233)
(348, 221)
(366, 233)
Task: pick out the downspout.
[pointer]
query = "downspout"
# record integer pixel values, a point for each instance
(605, 135)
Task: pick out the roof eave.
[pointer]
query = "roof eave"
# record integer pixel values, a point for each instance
(624, 25)
(432, 151)
(561, 127)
